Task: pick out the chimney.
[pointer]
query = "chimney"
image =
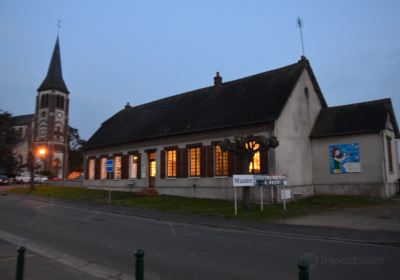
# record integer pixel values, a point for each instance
(217, 83)
(127, 106)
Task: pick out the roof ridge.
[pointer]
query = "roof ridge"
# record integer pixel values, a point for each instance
(20, 116)
(360, 103)
(224, 83)
(263, 73)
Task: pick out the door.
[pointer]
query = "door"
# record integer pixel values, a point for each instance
(152, 169)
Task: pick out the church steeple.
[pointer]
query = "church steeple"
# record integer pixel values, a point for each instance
(54, 78)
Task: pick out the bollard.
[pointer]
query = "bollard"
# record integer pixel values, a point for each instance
(20, 263)
(139, 265)
(303, 266)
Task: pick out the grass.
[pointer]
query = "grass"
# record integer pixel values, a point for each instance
(207, 207)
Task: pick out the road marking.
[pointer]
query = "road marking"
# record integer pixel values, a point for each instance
(73, 262)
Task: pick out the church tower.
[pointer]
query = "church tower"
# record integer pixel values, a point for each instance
(51, 119)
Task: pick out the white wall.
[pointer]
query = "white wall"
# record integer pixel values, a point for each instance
(370, 159)
(374, 178)
(294, 154)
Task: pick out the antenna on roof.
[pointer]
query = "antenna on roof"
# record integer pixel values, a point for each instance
(299, 22)
(58, 27)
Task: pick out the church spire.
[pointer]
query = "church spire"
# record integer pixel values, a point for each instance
(54, 78)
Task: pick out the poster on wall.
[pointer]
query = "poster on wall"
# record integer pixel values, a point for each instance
(344, 158)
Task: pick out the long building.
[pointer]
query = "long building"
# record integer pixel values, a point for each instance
(172, 145)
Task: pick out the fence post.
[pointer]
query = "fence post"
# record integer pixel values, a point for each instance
(139, 265)
(303, 266)
(20, 263)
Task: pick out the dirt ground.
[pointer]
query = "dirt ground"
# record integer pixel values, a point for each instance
(384, 217)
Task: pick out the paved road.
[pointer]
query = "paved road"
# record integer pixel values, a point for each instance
(94, 241)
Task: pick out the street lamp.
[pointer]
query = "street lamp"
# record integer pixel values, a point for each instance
(40, 152)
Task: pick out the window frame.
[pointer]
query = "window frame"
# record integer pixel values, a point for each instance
(197, 162)
(252, 164)
(173, 153)
(223, 161)
(133, 166)
(92, 169)
(117, 172)
(103, 168)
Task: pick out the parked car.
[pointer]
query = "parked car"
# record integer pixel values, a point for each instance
(4, 180)
(25, 178)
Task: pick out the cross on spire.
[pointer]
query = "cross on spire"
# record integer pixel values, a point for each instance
(58, 27)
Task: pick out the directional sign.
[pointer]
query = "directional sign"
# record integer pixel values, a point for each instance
(109, 165)
(274, 180)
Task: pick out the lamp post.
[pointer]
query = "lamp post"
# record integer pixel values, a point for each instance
(40, 152)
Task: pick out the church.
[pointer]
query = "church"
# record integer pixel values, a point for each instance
(173, 145)
(45, 133)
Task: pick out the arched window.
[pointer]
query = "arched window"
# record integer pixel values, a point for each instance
(44, 100)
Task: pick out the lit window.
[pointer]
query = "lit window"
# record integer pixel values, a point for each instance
(103, 173)
(91, 169)
(221, 162)
(133, 166)
(117, 167)
(194, 154)
(171, 163)
(255, 164)
(152, 164)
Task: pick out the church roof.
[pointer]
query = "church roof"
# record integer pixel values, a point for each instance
(365, 117)
(54, 78)
(251, 100)
(22, 120)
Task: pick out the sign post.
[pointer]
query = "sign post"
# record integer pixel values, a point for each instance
(109, 170)
(256, 180)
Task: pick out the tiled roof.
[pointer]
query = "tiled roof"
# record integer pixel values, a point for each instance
(355, 118)
(256, 99)
(22, 120)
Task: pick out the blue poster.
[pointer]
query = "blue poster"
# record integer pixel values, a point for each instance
(344, 158)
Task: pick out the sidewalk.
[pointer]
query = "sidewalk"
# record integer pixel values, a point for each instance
(36, 266)
(391, 238)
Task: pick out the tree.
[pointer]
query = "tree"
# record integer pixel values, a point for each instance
(245, 147)
(8, 140)
(75, 149)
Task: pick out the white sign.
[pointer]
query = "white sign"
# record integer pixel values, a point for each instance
(243, 180)
(285, 194)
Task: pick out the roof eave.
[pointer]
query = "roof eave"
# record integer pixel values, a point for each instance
(179, 134)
